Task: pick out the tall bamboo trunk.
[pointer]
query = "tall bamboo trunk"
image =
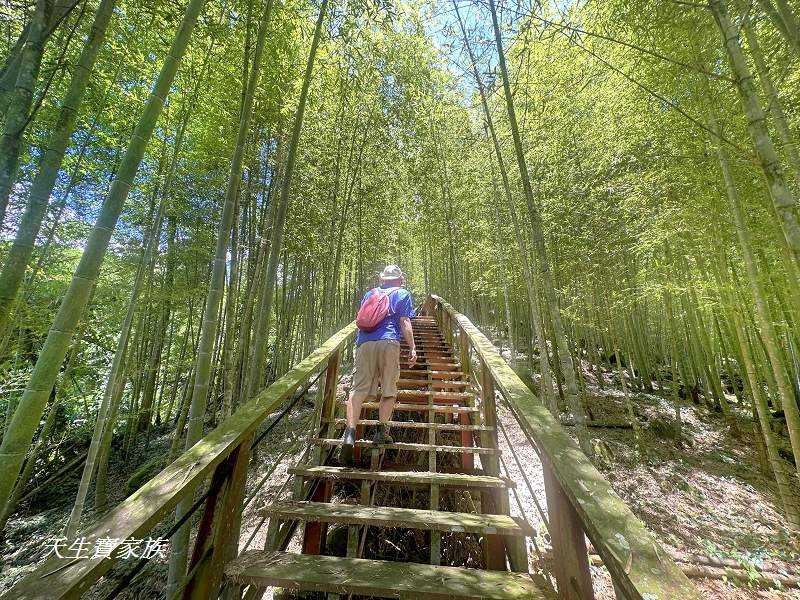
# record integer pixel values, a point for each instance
(546, 388)
(782, 198)
(209, 324)
(17, 438)
(16, 116)
(774, 104)
(279, 223)
(564, 356)
(792, 37)
(52, 157)
(113, 380)
(777, 465)
(763, 315)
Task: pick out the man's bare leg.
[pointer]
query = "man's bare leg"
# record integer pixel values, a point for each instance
(384, 416)
(354, 408)
(385, 409)
(353, 414)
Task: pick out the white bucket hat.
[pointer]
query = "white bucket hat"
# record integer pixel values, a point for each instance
(391, 272)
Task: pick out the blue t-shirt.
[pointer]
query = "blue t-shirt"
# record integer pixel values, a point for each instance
(400, 305)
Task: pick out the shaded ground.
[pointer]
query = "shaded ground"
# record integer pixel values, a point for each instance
(709, 497)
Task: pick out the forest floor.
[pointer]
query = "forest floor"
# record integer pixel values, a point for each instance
(708, 497)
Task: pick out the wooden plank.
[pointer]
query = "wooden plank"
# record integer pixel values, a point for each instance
(403, 477)
(387, 516)
(146, 507)
(451, 375)
(408, 446)
(435, 384)
(637, 563)
(421, 425)
(419, 407)
(437, 396)
(376, 578)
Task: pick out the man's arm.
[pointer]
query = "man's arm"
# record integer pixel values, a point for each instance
(408, 336)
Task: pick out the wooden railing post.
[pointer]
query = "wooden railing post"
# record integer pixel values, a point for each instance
(314, 534)
(490, 462)
(491, 500)
(325, 424)
(219, 527)
(570, 558)
(467, 458)
(447, 328)
(463, 351)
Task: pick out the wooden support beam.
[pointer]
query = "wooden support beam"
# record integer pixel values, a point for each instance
(571, 565)
(314, 533)
(227, 523)
(328, 410)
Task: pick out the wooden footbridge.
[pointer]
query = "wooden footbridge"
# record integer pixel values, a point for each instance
(426, 516)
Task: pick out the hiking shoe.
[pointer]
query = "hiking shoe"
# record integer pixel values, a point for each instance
(346, 454)
(382, 436)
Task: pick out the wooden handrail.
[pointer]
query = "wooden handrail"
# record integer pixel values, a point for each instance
(640, 568)
(145, 508)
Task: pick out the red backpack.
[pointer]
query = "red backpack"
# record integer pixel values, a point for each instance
(374, 309)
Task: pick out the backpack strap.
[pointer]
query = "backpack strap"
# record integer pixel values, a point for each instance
(389, 292)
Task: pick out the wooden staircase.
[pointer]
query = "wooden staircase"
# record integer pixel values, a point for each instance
(441, 425)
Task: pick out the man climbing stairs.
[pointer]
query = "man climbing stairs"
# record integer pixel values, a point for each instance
(436, 403)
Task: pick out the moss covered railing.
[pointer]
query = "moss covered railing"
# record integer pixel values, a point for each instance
(579, 499)
(221, 456)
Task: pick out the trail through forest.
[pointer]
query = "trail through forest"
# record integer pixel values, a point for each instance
(710, 498)
(195, 195)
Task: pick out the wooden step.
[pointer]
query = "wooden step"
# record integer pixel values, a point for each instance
(407, 446)
(436, 384)
(440, 375)
(421, 407)
(387, 516)
(380, 578)
(437, 395)
(420, 425)
(402, 477)
(431, 363)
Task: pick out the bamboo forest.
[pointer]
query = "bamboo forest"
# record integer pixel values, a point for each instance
(590, 211)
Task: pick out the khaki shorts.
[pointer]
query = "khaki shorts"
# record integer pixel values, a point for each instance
(377, 363)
